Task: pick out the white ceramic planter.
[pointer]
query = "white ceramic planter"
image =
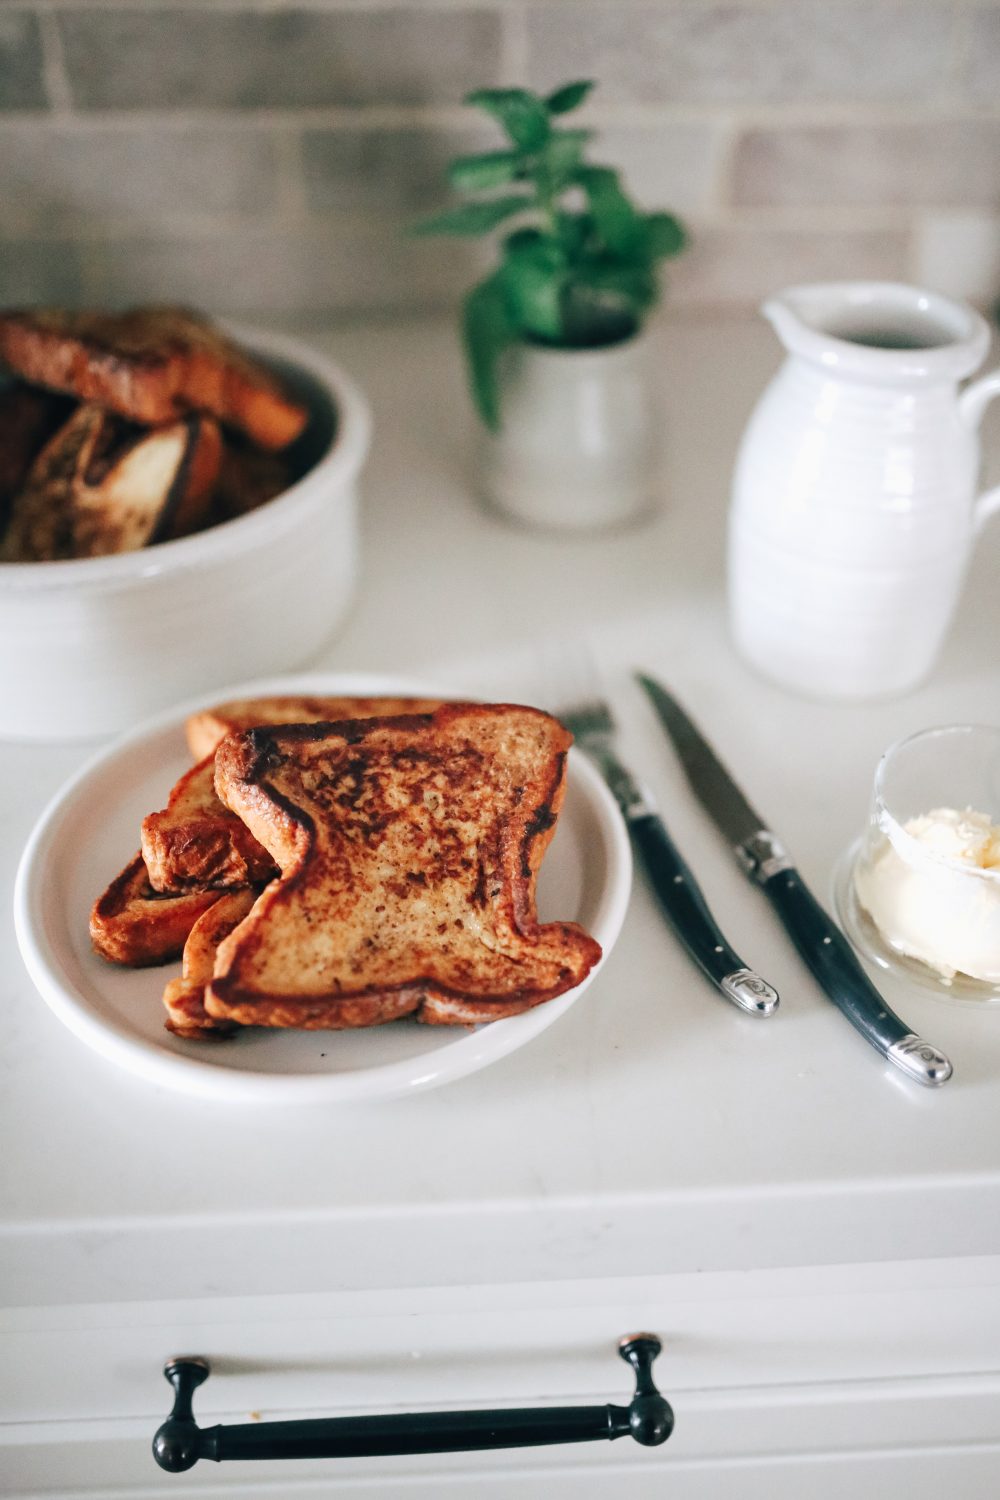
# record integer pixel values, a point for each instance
(853, 512)
(93, 645)
(579, 446)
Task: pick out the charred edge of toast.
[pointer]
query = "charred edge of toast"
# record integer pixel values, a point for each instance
(349, 730)
(253, 752)
(117, 359)
(311, 1011)
(182, 1000)
(133, 925)
(206, 729)
(228, 856)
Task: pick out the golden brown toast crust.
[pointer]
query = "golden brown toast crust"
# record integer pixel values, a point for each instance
(41, 516)
(248, 477)
(184, 998)
(409, 848)
(151, 365)
(196, 843)
(28, 418)
(101, 486)
(131, 924)
(207, 729)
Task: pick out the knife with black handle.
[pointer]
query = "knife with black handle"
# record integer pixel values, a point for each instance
(681, 898)
(817, 938)
(676, 888)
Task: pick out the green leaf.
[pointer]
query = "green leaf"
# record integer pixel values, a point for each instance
(521, 113)
(487, 331)
(570, 96)
(523, 239)
(616, 221)
(473, 218)
(662, 236)
(471, 174)
(533, 278)
(575, 229)
(633, 286)
(559, 158)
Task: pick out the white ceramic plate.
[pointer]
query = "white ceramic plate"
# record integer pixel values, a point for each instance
(90, 831)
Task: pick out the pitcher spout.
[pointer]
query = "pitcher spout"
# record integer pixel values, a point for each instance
(783, 318)
(880, 331)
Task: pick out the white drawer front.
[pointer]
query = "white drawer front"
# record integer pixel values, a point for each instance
(759, 1368)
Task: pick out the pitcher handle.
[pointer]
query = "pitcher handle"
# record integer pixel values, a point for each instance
(972, 403)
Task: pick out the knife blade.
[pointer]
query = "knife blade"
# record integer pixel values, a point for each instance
(818, 939)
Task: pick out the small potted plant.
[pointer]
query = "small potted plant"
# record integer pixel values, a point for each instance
(554, 335)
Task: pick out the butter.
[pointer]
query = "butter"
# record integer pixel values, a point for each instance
(932, 888)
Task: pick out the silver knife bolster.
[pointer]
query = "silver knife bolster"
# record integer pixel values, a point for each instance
(763, 856)
(633, 797)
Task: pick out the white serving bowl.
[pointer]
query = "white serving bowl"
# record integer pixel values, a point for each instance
(91, 646)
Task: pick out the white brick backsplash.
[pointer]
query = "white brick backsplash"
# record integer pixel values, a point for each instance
(177, 57)
(740, 265)
(673, 166)
(21, 80)
(959, 254)
(340, 267)
(55, 175)
(265, 156)
(774, 51)
(980, 82)
(927, 162)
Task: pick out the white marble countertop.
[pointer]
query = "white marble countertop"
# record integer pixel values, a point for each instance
(653, 1128)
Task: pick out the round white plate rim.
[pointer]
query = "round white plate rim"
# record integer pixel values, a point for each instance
(197, 1075)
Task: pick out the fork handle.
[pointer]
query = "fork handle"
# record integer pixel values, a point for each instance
(688, 912)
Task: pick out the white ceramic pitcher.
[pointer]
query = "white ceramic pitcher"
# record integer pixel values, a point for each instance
(853, 512)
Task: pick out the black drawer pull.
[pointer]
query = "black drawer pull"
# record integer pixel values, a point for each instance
(180, 1442)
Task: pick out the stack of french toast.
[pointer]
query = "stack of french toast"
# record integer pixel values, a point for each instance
(342, 862)
(120, 430)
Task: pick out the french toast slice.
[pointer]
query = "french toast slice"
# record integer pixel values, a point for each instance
(134, 925)
(184, 998)
(155, 488)
(206, 729)
(151, 365)
(40, 527)
(196, 843)
(102, 486)
(28, 418)
(409, 848)
(248, 478)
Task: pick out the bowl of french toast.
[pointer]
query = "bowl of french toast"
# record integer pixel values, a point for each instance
(178, 507)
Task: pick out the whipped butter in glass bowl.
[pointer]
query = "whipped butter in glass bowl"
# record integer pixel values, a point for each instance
(920, 893)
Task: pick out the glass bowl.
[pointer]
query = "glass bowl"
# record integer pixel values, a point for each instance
(919, 892)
